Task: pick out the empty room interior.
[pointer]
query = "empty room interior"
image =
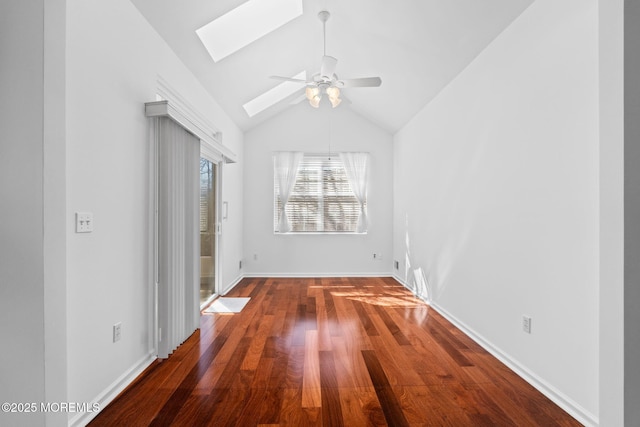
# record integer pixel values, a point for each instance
(428, 212)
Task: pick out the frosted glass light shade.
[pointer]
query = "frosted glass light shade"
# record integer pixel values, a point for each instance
(333, 92)
(311, 92)
(334, 96)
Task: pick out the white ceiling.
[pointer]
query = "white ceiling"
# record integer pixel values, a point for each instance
(416, 46)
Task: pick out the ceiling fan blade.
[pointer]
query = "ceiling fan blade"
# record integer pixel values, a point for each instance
(288, 79)
(328, 67)
(361, 82)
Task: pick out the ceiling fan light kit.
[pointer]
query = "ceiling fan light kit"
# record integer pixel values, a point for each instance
(314, 95)
(326, 81)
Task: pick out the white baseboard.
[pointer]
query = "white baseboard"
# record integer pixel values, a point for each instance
(559, 398)
(311, 275)
(402, 282)
(232, 285)
(409, 287)
(113, 390)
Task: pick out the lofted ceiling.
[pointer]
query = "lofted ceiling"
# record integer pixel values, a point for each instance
(416, 46)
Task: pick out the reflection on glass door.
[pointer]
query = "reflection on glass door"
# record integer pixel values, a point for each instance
(207, 229)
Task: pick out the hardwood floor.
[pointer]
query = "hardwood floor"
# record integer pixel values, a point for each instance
(331, 352)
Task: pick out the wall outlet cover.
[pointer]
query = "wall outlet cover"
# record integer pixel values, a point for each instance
(526, 324)
(117, 332)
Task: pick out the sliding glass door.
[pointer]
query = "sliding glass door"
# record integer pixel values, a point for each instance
(208, 229)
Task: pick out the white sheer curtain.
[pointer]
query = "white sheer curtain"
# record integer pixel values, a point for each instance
(285, 167)
(355, 166)
(178, 251)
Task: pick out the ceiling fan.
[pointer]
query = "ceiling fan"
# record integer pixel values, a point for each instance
(326, 81)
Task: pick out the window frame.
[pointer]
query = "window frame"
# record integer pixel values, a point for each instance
(323, 162)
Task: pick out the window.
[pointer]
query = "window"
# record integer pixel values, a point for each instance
(208, 241)
(207, 195)
(245, 24)
(322, 198)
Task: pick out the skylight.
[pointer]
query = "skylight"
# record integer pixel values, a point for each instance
(274, 95)
(246, 24)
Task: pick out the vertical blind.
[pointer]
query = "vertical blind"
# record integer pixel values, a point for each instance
(322, 199)
(178, 234)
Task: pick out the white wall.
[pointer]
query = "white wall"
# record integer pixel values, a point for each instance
(21, 192)
(612, 225)
(32, 190)
(302, 128)
(496, 199)
(55, 215)
(114, 58)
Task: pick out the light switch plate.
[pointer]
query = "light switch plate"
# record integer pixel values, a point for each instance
(84, 222)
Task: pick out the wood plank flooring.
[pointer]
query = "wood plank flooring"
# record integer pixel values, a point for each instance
(330, 352)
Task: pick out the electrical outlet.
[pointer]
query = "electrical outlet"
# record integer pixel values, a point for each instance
(526, 324)
(84, 222)
(240, 265)
(377, 257)
(117, 331)
(396, 265)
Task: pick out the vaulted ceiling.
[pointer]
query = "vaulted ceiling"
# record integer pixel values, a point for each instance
(416, 46)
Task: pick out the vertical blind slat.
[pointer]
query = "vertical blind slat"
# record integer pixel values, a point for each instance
(178, 233)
